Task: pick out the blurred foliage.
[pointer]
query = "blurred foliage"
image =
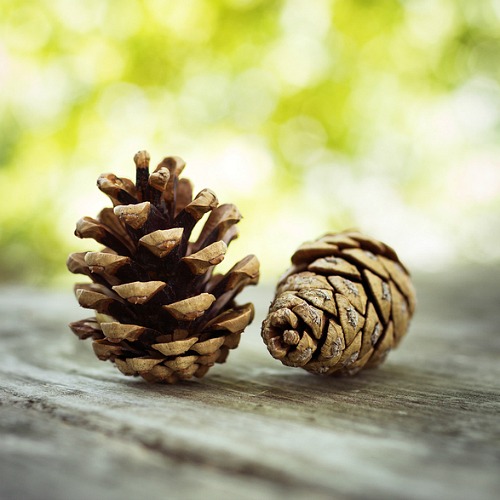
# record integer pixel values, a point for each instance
(310, 115)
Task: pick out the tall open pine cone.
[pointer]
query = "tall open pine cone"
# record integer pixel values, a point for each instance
(161, 313)
(346, 301)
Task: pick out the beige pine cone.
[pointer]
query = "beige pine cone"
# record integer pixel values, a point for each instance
(162, 311)
(343, 305)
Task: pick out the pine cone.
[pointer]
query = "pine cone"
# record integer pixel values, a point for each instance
(161, 313)
(343, 305)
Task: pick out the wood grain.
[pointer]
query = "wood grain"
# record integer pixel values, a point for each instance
(424, 425)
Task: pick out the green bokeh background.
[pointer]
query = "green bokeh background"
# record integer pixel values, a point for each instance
(310, 115)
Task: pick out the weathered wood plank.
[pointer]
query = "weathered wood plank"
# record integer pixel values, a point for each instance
(424, 425)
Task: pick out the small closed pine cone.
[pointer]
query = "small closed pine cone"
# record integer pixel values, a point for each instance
(343, 305)
(161, 313)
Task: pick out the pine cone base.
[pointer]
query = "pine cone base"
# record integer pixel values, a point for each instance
(344, 304)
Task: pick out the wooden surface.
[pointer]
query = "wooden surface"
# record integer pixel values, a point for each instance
(425, 425)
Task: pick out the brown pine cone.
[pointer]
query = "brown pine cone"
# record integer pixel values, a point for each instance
(343, 305)
(161, 313)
